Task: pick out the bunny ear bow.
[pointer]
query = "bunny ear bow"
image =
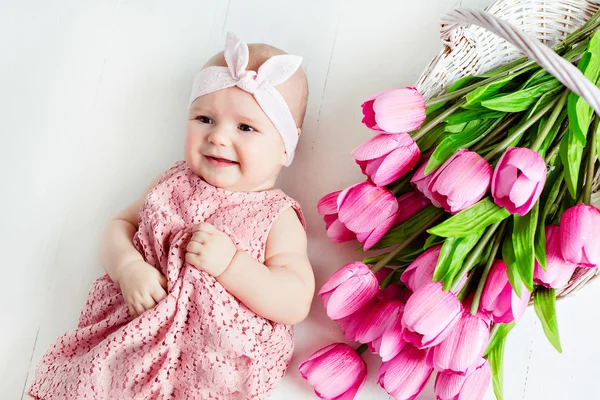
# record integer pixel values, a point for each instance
(260, 84)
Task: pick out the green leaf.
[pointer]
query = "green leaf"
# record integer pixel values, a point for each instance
(408, 228)
(522, 99)
(508, 255)
(485, 91)
(453, 253)
(571, 153)
(464, 82)
(543, 101)
(500, 333)
(405, 256)
(552, 133)
(544, 303)
(580, 112)
(523, 244)
(473, 132)
(432, 240)
(496, 360)
(472, 115)
(473, 219)
(428, 140)
(456, 128)
(540, 243)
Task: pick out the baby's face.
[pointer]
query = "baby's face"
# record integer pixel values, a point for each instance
(231, 143)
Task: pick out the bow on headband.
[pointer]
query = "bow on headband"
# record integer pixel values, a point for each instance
(260, 84)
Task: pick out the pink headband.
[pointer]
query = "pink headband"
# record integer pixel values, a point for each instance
(274, 71)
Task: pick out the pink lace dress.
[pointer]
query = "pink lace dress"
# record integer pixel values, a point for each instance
(198, 343)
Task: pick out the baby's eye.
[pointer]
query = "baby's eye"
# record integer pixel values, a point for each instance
(246, 128)
(204, 119)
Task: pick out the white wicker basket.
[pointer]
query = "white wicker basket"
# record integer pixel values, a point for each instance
(475, 49)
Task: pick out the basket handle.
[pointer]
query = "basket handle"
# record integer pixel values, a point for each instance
(562, 70)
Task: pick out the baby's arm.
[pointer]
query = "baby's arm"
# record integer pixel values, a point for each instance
(282, 288)
(142, 285)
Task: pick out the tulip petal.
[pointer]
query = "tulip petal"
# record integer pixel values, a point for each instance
(351, 295)
(430, 312)
(328, 203)
(477, 383)
(399, 110)
(396, 164)
(522, 190)
(420, 271)
(558, 270)
(463, 347)
(370, 239)
(405, 376)
(338, 233)
(343, 274)
(408, 205)
(381, 145)
(363, 207)
(377, 320)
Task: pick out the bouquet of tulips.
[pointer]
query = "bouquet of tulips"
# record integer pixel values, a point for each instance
(482, 198)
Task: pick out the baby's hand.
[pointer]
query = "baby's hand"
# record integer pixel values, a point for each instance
(142, 285)
(210, 249)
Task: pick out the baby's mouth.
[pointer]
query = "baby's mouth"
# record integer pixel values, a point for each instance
(218, 161)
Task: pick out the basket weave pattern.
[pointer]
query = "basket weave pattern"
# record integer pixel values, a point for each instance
(474, 50)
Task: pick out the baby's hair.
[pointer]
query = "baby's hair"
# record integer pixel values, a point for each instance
(259, 53)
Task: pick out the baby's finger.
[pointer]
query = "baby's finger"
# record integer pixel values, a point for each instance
(194, 247)
(204, 227)
(131, 310)
(200, 237)
(162, 280)
(148, 302)
(158, 294)
(139, 308)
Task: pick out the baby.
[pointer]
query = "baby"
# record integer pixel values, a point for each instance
(208, 270)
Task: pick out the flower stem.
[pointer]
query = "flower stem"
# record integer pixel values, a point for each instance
(383, 262)
(521, 66)
(474, 255)
(439, 118)
(551, 120)
(486, 271)
(589, 176)
(361, 349)
(500, 147)
(501, 128)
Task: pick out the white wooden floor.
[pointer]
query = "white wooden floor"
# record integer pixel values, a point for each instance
(92, 105)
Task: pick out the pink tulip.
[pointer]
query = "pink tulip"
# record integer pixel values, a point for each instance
(348, 289)
(336, 372)
(364, 206)
(580, 235)
(394, 111)
(336, 230)
(558, 270)
(367, 210)
(390, 343)
(408, 205)
(370, 239)
(429, 315)
(499, 299)
(461, 181)
(421, 183)
(349, 325)
(385, 158)
(471, 386)
(463, 347)
(420, 271)
(518, 180)
(405, 375)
